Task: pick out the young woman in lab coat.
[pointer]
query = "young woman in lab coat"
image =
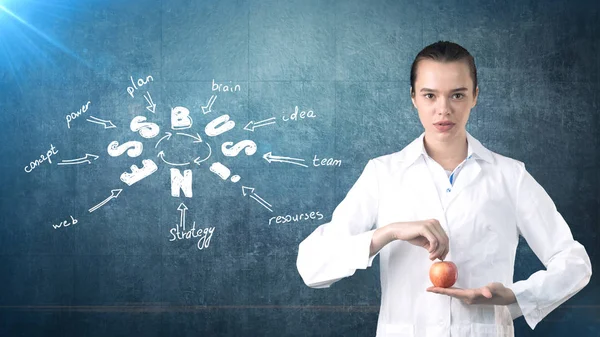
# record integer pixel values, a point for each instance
(445, 196)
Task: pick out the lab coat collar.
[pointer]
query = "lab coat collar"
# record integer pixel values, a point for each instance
(416, 148)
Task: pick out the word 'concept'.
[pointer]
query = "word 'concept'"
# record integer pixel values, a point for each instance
(71, 117)
(42, 159)
(66, 223)
(296, 217)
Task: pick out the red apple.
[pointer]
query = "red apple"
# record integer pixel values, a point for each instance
(443, 274)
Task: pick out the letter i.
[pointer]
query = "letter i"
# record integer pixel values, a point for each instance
(223, 172)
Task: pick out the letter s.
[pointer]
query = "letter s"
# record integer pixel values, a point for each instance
(146, 129)
(172, 231)
(232, 151)
(133, 148)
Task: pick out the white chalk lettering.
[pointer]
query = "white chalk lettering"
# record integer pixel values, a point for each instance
(133, 148)
(295, 116)
(66, 223)
(203, 235)
(32, 165)
(225, 88)
(218, 126)
(140, 82)
(231, 150)
(146, 129)
(180, 118)
(326, 162)
(137, 174)
(70, 117)
(282, 219)
(181, 182)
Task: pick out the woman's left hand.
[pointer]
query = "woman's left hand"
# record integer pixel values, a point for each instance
(494, 293)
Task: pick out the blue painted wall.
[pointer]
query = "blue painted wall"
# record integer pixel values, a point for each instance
(116, 272)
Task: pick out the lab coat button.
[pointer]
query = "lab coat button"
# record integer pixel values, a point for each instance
(448, 189)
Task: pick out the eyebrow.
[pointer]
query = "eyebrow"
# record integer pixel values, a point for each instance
(453, 90)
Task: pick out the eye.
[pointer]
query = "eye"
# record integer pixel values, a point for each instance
(460, 95)
(427, 96)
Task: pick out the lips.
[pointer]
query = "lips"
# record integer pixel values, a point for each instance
(444, 126)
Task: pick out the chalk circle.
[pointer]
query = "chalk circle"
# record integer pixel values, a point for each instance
(235, 178)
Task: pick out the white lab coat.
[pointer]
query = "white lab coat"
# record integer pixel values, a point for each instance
(491, 203)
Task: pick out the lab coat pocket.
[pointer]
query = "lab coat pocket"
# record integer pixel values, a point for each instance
(478, 240)
(477, 236)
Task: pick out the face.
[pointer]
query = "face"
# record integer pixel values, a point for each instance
(444, 92)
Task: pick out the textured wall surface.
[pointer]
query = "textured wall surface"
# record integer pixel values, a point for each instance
(119, 270)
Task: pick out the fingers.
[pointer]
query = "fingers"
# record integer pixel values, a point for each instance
(485, 291)
(433, 245)
(442, 239)
(445, 240)
(428, 234)
(439, 246)
(469, 296)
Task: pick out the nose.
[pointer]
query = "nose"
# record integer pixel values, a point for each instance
(443, 106)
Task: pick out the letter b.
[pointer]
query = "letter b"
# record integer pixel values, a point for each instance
(180, 118)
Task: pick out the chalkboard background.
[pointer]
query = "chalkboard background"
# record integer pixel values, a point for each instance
(118, 271)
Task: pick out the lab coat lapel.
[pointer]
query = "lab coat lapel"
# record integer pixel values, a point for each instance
(467, 176)
(429, 192)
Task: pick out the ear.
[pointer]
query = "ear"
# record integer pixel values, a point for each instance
(475, 98)
(412, 97)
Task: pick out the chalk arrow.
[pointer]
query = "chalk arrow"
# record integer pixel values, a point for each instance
(151, 106)
(208, 106)
(107, 124)
(252, 125)
(161, 154)
(113, 194)
(269, 157)
(197, 161)
(88, 158)
(182, 208)
(168, 136)
(250, 192)
(197, 138)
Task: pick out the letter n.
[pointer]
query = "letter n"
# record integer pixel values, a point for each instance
(181, 182)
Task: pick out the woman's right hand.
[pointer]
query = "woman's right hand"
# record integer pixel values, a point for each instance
(428, 234)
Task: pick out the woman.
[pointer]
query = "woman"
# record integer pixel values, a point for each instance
(446, 196)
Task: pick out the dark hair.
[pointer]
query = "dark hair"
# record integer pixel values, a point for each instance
(444, 51)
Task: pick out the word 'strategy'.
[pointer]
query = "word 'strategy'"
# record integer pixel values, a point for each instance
(66, 223)
(203, 235)
(42, 159)
(179, 232)
(71, 117)
(296, 217)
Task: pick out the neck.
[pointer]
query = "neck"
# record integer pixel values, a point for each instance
(447, 151)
